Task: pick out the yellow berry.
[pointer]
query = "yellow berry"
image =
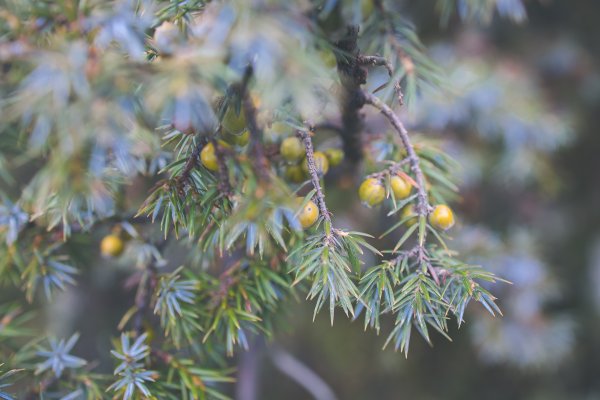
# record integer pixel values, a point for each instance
(334, 156)
(321, 163)
(409, 211)
(308, 215)
(400, 187)
(442, 217)
(294, 174)
(111, 246)
(232, 122)
(291, 149)
(208, 158)
(371, 192)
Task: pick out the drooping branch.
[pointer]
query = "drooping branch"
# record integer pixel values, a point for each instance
(423, 208)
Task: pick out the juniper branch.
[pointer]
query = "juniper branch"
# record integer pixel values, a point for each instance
(314, 176)
(423, 207)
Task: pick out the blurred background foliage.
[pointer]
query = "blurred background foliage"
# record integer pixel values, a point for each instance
(510, 89)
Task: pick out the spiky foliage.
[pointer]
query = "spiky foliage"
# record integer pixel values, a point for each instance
(189, 100)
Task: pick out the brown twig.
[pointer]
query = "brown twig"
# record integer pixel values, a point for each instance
(191, 162)
(314, 176)
(261, 164)
(376, 61)
(143, 295)
(224, 184)
(391, 170)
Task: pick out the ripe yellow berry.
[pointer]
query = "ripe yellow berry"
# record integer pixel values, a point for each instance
(334, 156)
(308, 215)
(294, 174)
(111, 246)
(208, 158)
(442, 217)
(321, 163)
(232, 122)
(291, 149)
(241, 139)
(409, 211)
(371, 192)
(400, 187)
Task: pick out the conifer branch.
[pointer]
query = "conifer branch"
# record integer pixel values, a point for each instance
(422, 208)
(314, 176)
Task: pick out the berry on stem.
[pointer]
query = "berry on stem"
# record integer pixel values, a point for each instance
(442, 217)
(291, 149)
(371, 192)
(334, 156)
(232, 122)
(294, 174)
(308, 215)
(111, 246)
(400, 187)
(208, 156)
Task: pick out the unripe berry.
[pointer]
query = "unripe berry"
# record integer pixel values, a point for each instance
(334, 156)
(442, 217)
(294, 174)
(308, 215)
(321, 163)
(400, 187)
(232, 122)
(371, 192)
(111, 246)
(291, 149)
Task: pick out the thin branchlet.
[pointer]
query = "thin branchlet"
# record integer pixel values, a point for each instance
(224, 184)
(393, 169)
(261, 164)
(192, 161)
(376, 61)
(314, 176)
